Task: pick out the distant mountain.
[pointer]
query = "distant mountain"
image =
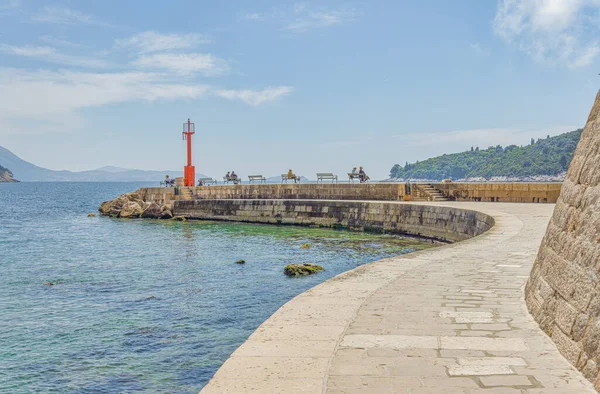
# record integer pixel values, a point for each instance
(25, 171)
(6, 175)
(548, 157)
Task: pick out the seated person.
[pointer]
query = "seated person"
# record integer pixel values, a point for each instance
(354, 171)
(168, 182)
(291, 175)
(200, 183)
(362, 175)
(233, 175)
(227, 176)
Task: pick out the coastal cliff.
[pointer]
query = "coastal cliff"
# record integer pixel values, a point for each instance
(6, 175)
(563, 292)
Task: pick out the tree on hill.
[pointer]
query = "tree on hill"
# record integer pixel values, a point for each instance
(549, 156)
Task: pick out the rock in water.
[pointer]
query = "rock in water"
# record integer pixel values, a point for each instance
(131, 209)
(91, 215)
(152, 211)
(241, 262)
(305, 246)
(179, 218)
(113, 207)
(166, 214)
(302, 269)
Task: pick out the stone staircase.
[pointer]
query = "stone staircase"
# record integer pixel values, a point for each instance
(185, 193)
(427, 192)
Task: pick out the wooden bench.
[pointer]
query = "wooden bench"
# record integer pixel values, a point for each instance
(284, 178)
(326, 175)
(259, 178)
(227, 179)
(208, 181)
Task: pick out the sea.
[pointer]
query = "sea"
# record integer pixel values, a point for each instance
(105, 305)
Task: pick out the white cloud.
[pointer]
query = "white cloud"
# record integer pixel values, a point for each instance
(256, 97)
(558, 32)
(151, 41)
(55, 98)
(43, 93)
(255, 16)
(302, 18)
(183, 63)
(63, 16)
(50, 55)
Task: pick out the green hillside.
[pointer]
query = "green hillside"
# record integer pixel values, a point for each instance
(549, 156)
(6, 175)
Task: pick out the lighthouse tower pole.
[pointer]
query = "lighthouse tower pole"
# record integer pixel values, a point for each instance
(189, 169)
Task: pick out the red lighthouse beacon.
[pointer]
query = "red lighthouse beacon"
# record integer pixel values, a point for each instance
(189, 172)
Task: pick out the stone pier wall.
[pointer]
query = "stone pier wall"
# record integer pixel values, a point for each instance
(490, 192)
(443, 223)
(563, 293)
(501, 192)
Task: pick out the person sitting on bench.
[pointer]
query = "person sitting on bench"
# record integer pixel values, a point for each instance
(233, 175)
(291, 175)
(227, 175)
(168, 181)
(200, 183)
(362, 175)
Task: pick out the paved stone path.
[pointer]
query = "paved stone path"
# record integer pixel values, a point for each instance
(445, 320)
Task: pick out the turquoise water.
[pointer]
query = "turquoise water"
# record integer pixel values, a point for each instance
(100, 305)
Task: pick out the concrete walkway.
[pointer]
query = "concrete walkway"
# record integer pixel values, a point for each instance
(445, 320)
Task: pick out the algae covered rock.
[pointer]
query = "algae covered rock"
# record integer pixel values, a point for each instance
(305, 246)
(179, 218)
(152, 211)
(131, 209)
(91, 215)
(302, 269)
(241, 262)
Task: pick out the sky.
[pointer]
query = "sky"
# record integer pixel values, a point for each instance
(272, 85)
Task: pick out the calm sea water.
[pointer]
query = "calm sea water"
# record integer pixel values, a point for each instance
(100, 305)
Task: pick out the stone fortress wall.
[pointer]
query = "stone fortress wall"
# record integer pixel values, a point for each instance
(563, 292)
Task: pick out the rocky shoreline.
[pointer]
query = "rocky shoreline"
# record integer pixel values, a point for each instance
(6, 176)
(131, 205)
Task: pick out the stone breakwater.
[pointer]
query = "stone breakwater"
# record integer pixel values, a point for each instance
(563, 293)
(443, 223)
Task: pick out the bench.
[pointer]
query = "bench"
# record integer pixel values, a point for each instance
(208, 181)
(284, 178)
(235, 180)
(259, 178)
(326, 175)
(352, 176)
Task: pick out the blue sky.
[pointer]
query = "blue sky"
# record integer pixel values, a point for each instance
(273, 85)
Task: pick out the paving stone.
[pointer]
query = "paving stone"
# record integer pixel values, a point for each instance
(473, 343)
(516, 380)
(476, 370)
(517, 361)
